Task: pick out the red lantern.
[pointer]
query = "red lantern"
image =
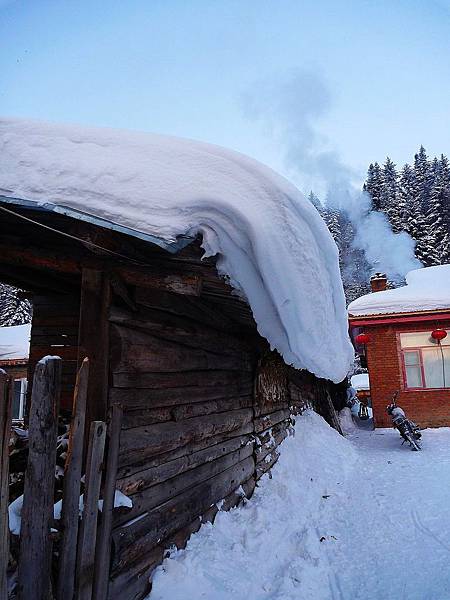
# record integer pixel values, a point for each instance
(362, 339)
(438, 334)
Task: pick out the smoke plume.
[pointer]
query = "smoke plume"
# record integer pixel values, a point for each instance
(289, 110)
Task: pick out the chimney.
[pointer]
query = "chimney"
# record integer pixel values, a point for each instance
(378, 282)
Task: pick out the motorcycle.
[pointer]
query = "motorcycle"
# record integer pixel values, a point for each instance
(409, 431)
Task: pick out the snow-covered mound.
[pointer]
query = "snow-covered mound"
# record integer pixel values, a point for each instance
(15, 342)
(426, 289)
(275, 546)
(270, 241)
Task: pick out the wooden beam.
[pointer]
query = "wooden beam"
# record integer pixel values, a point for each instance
(145, 276)
(190, 285)
(93, 340)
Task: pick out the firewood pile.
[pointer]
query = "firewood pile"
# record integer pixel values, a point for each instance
(18, 456)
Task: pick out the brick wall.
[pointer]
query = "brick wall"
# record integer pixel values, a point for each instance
(428, 408)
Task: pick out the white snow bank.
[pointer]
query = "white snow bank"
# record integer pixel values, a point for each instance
(426, 289)
(346, 421)
(270, 241)
(360, 381)
(15, 342)
(273, 547)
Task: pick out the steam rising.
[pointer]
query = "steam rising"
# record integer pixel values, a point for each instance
(289, 110)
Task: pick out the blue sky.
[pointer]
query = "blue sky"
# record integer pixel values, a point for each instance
(188, 68)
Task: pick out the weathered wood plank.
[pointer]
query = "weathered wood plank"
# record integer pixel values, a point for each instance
(88, 530)
(71, 487)
(194, 309)
(140, 417)
(129, 469)
(265, 465)
(130, 542)
(190, 285)
(175, 328)
(171, 468)
(37, 511)
(149, 498)
(215, 378)
(136, 351)
(6, 392)
(267, 421)
(141, 442)
(133, 581)
(35, 258)
(103, 550)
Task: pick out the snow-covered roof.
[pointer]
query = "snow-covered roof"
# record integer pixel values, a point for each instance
(426, 289)
(360, 381)
(270, 241)
(14, 342)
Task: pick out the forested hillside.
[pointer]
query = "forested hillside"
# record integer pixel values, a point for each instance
(415, 199)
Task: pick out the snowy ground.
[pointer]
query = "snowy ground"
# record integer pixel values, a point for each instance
(348, 519)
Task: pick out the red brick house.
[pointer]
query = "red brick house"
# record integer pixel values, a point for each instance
(398, 346)
(14, 351)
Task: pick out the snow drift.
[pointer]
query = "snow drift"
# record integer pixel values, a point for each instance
(275, 546)
(270, 241)
(425, 289)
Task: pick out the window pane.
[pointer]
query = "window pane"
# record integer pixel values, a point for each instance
(447, 366)
(413, 377)
(16, 399)
(412, 358)
(437, 367)
(419, 339)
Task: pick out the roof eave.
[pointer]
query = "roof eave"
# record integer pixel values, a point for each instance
(172, 247)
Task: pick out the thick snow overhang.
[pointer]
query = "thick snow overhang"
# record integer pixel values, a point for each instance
(270, 242)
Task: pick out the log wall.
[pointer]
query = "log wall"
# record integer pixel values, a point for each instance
(206, 405)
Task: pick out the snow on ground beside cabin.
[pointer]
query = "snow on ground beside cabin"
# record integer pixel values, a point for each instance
(361, 518)
(425, 289)
(270, 241)
(15, 342)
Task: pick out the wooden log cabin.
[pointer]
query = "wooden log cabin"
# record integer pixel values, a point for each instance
(205, 401)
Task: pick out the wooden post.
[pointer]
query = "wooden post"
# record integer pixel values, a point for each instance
(93, 340)
(71, 490)
(6, 390)
(103, 552)
(88, 532)
(37, 512)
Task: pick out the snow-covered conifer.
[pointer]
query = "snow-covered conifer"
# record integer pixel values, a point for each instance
(14, 310)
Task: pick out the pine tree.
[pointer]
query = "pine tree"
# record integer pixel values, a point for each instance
(389, 201)
(14, 310)
(315, 201)
(374, 184)
(439, 234)
(423, 178)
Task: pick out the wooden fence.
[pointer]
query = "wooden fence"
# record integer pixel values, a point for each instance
(81, 571)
